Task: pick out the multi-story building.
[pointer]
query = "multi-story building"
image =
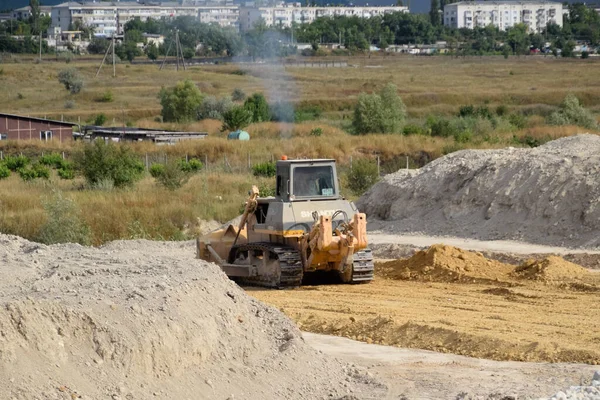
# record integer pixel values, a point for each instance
(25, 12)
(503, 14)
(107, 19)
(284, 14)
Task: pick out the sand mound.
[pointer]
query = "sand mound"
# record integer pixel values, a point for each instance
(547, 195)
(552, 268)
(141, 319)
(445, 264)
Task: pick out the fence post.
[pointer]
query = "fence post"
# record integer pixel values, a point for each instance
(63, 155)
(187, 160)
(378, 167)
(350, 163)
(1, 155)
(147, 164)
(206, 161)
(249, 165)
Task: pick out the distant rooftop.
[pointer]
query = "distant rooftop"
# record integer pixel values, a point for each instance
(507, 2)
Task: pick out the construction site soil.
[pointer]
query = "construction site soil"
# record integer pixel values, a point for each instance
(545, 195)
(141, 319)
(455, 301)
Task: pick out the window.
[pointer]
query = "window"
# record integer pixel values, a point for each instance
(3, 136)
(46, 135)
(313, 181)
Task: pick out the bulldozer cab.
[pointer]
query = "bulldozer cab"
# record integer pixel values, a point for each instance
(304, 180)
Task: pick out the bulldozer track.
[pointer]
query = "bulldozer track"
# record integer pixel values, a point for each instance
(290, 265)
(363, 266)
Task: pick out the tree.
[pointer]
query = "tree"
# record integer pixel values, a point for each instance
(379, 113)
(71, 79)
(258, 107)
(236, 118)
(180, 103)
(152, 51)
(98, 46)
(128, 50)
(518, 39)
(434, 13)
(35, 14)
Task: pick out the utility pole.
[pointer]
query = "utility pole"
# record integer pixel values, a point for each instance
(177, 47)
(113, 56)
(40, 33)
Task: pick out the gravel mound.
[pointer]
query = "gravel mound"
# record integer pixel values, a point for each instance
(546, 195)
(584, 392)
(550, 269)
(141, 319)
(442, 263)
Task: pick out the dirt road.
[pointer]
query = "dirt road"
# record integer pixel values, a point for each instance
(420, 374)
(504, 320)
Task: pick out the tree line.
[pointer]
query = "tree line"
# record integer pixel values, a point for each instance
(353, 34)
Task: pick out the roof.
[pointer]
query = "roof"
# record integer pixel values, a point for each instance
(308, 160)
(28, 118)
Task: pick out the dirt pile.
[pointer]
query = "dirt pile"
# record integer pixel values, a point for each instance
(442, 263)
(546, 195)
(550, 269)
(141, 319)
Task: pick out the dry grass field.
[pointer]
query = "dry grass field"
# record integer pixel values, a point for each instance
(427, 85)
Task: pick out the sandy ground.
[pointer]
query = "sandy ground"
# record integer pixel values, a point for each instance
(518, 320)
(421, 374)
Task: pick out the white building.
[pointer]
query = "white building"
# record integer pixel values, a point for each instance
(25, 12)
(107, 18)
(503, 14)
(284, 14)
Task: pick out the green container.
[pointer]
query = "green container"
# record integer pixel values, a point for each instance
(238, 135)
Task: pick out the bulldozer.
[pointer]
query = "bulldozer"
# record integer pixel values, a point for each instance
(306, 227)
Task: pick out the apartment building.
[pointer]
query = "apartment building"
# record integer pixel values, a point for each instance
(25, 12)
(107, 19)
(285, 14)
(503, 14)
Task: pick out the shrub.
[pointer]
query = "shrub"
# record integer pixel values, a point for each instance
(266, 169)
(518, 121)
(362, 176)
(413, 129)
(192, 165)
(440, 127)
(470, 111)
(501, 110)
(64, 224)
(266, 189)
(69, 104)
(214, 108)
(258, 107)
(54, 160)
(585, 54)
(238, 95)
(571, 112)
(236, 118)
(15, 163)
(379, 113)
(34, 171)
(100, 162)
(107, 97)
(463, 137)
(4, 171)
(156, 170)
(173, 176)
(180, 103)
(71, 79)
(100, 119)
(66, 173)
(307, 113)
(316, 132)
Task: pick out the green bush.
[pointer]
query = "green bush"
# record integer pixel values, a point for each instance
(471, 111)
(282, 111)
(214, 108)
(571, 112)
(501, 110)
(266, 169)
(71, 79)
(34, 171)
(362, 176)
(101, 163)
(107, 97)
(307, 113)
(382, 112)
(439, 126)
(180, 103)
(236, 118)
(100, 119)
(66, 173)
(4, 171)
(463, 136)
(316, 132)
(157, 170)
(15, 163)
(413, 129)
(259, 108)
(518, 121)
(64, 224)
(54, 160)
(192, 166)
(266, 189)
(172, 176)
